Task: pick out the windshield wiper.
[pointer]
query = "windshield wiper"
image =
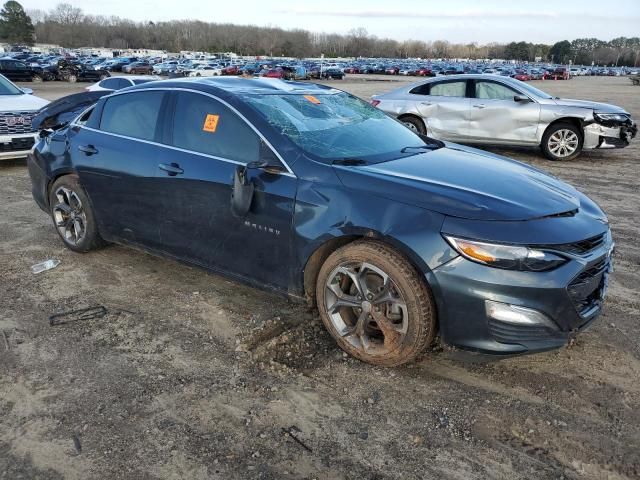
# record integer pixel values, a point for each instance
(421, 147)
(349, 161)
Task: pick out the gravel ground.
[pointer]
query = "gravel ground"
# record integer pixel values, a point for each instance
(189, 375)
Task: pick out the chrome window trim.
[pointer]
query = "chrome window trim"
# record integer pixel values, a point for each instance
(289, 172)
(171, 147)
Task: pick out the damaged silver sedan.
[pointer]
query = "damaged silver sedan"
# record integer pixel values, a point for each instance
(497, 110)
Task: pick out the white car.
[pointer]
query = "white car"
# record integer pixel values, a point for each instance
(205, 71)
(17, 109)
(118, 83)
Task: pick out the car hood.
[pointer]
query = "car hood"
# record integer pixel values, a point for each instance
(466, 183)
(597, 106)
(21, 103)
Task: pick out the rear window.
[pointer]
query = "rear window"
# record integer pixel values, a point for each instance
(132, 114)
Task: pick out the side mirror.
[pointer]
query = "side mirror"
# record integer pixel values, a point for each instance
(242, 194)
(28, 91)
(521, 98)
(268, 162)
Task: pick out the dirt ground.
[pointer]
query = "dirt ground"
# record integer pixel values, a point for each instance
(192, 376)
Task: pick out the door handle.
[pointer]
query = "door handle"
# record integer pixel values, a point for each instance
(172, 169)
(426, 103)
(88, 149)
(479, 106)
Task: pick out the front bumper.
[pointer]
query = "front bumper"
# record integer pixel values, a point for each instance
(16, 146)
(601, 136)
(569, 297)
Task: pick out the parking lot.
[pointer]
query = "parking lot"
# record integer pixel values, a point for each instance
(190, 375)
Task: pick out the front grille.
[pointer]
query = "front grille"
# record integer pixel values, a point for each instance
(507, 333)
(578, 248)
(587, 289)
(17, 145)
(12, 123)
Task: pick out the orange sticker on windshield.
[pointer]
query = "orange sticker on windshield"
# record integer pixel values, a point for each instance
(211, 123)
(312, 99)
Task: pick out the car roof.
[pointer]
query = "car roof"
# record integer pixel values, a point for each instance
(236, 86)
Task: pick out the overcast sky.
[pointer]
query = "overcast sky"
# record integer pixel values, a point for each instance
(482, 21)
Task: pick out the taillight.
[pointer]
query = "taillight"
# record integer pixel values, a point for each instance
(375, 103)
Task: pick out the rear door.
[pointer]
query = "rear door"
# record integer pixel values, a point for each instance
(444, 107)
(496, 117)
(117, 159)
(208, 141)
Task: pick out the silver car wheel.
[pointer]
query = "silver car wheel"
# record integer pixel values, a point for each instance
(366, 308)
(411, 126)
(69, 216)
(563, 143)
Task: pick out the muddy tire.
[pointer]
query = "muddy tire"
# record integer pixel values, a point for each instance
(73, 216)
(562, 141)
(375, 304)
(414, 124)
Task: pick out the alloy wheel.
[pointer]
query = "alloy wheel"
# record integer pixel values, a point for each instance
(366, 308)
(410, 126)
(563, 143)
(69, 216)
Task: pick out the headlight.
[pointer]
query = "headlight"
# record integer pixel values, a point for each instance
(610, 117)
(510, 257)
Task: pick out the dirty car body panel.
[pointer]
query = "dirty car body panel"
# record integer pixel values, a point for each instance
(165, 190)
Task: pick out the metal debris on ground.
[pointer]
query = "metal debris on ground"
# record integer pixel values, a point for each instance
(291, 432)
(46, 265)
(89, 313)
(76, 443)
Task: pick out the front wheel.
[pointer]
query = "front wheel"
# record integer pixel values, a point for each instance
(72, 215)
(562, 141)
(375, 304)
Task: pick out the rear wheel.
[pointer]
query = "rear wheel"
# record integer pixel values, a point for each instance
(414, 124)
(72, 215)
(562, 141)
(375, 304)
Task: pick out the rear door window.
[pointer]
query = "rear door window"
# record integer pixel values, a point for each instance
(204, 125)
(449, 89)
(133, 114)
(421, 89)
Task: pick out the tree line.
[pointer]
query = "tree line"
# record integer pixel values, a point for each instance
(70, 27)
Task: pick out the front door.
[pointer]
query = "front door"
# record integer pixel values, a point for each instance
(207, 141)
(495, 117)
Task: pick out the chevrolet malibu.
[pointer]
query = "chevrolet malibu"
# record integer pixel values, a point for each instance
(498, 110)
(310, 192)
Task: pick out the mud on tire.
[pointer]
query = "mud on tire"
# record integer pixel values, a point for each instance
(402, 319)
